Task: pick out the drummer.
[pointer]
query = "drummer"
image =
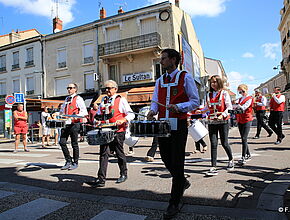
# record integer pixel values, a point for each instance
(121, 115)
(181, 98)
(73, 105)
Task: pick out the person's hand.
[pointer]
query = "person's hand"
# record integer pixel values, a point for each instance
(122, 121)
(85, 120)
(173, 108)
(220, 117)
(150, 115)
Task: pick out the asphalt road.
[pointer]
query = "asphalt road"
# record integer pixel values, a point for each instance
(228, 194)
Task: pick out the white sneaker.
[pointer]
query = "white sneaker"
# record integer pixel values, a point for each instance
(231, 165)
(149, 159)
(130, 152)
(212, 172)
(242, 161)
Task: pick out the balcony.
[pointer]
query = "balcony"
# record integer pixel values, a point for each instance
(61, 65)
(15, 66)
(30, 92)
(29, 63)
(129, 44)
(88, 60)
(3, 69)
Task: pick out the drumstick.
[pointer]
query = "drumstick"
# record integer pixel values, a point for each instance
(158, 103)
(138, 114)
(73, 116)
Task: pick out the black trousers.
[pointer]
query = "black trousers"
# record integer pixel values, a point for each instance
(223, 131)
(73, 131)
(261, 122)
(151, 152)
(172, 151)
(244, 130)
(198, 143)
(117, 145)
(275, 123)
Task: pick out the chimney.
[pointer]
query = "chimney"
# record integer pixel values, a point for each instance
(177, 3)
(103, 13)
(14, 36)
(120, 11)
(57, 25)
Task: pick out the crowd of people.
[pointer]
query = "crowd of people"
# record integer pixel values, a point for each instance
(175, 99)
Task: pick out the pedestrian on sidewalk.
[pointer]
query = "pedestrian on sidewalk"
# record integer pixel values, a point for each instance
(73, 105)
(20, 127)
(182, 98)
(218, 102)
(121, 115)
(260, 103)
(45, 116)
(277, 107)
(245, 103)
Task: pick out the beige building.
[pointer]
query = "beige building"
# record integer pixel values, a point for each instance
(15, 36)
(124, 47)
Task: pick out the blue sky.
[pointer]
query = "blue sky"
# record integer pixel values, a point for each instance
(243, 34)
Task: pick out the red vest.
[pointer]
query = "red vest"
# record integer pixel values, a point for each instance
(20, 123)
(274, 106)
(72, 109)
(257, 107)
(177, 95)
(118, 115)
(220, 108)
(247, 115)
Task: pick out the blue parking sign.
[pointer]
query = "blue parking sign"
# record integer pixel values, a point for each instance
(19, 97)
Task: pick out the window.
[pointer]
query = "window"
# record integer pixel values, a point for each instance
(61, 84)
(113, 33)
(88, 51)
(89, 81)
(15, 64)
(158, 71)
(61, 58)
(113, 75)
(148, 25)
(2, 63)
(29, 85)
(16, 85)
(2, 89)
(29, 56)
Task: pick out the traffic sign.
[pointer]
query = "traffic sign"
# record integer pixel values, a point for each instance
(10, 99)
(19, 97)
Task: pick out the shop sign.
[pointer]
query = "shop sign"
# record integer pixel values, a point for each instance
(137, 77)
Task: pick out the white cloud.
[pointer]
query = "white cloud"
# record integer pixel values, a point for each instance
(270, 50)
(43, 8)
(210, 8)
(236, 78)
(248, 55)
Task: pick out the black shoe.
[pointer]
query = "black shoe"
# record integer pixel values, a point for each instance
(256, 137)
(186, 185)
(121, 179)
(282, 137)
(270, 134)
(97, 183)
(278, 142)
(171, 211)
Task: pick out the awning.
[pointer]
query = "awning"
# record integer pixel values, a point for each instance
(123, 94)
(139, 95)
(44, 102)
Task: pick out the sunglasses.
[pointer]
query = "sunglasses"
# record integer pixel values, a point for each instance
(70, 87)
(109, 88)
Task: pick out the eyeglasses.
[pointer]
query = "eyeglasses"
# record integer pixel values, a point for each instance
(70, 87)
(109, 88)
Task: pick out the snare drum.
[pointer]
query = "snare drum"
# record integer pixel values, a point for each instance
(197, 130)
(55, 123)
(150, 128)
(100, 136)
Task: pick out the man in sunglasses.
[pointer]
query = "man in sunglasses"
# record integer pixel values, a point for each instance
(73, 105)
(277, 107)
(121, 115)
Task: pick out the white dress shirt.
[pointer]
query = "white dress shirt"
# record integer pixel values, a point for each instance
(263, 101)
(79, 103)
(246, 104)
(190, 90)
(280, 99)
(228, 102)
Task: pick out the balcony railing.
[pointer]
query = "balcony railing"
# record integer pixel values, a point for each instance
(88, 60)
(128, 44)
(61, 65)
(15, 66)
(3, 69)
(30, 92)
(29, 63)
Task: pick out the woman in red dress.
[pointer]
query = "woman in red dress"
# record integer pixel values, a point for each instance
(20, 126)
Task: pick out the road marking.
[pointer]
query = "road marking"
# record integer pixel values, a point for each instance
(5, 193)
(9, 161)
(22, 154)
(115, 215)
(33, 210)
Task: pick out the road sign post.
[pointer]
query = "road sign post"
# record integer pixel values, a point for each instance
(10, 99)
